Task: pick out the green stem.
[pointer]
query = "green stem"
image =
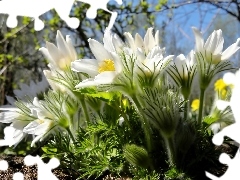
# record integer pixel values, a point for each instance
(186, 110)
(145, 125)
(200, 112)
(186, 93)
(70, 134)
(85, 111)
(170, 150)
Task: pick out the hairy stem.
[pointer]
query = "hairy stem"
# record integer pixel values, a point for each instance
(200, 112)
(70, 134)
(145, 125)
(170, 150)
(85, 111)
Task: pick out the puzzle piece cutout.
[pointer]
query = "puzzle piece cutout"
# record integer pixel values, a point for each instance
(232, 172)
(44, 170)
(95, 5)
(36, 8)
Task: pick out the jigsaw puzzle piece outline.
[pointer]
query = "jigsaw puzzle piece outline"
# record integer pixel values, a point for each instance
(36, 8)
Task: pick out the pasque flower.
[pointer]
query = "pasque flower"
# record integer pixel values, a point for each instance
(143, 45)
(182, 70)
(13, 134)
(211, 60)
(42, 125)
(211, 50)
(104, 68)
(148, 52)
(232, 79)
(60, 57)
(149, 60)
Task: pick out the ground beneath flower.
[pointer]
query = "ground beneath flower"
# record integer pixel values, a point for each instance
(16, 164)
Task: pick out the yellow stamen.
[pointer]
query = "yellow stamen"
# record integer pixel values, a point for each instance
(220, 85)
(107, 65)
(223, 93)
(195, 104)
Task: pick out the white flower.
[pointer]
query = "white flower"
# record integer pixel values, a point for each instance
(44, 123)
(144, 45)
(234, 79)
(60, 57)
(56, 82)
(149, 55)
(154, 61)
(184, 64)
(40, 128)
(13, 134)
(104, 68)
(212, 49)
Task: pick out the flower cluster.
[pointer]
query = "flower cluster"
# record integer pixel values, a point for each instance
(133, 74)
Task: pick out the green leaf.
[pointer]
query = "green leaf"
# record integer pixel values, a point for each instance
(209, 120)
(49, 150)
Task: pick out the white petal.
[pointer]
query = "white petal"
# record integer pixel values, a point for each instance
(140, 55)
(219, 45)
(105, 77)
(230, 50)
(49, 76)
(8, 117)
(54, 53)
(130, 40)
(191, 58)
(36, 139)
(46, 54)
(215, 127)
(157, 38)
(107, 41)
(139, 42)
(221, 105)
(86, 83)
(71, 48)
(89, 66)
(99, 51)
(155, 51)
(62, 45)
(30, 128)
(117, 63)
(229, 78)
(117, 43)
(211, 42)
(180, 62)
(42, 128)
(149, 41)
(198, 39)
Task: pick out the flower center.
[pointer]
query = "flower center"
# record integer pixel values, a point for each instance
(195, 104)
(220, 85)
(107, 65)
